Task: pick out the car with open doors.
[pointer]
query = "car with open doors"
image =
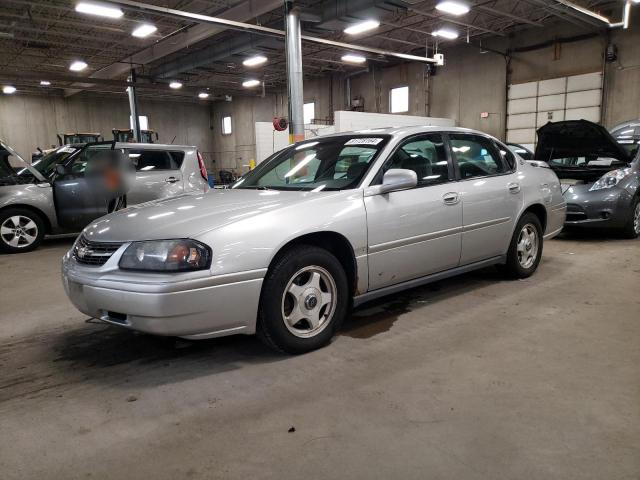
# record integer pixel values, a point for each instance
(318, 227)
(600, 176)
(54, 194)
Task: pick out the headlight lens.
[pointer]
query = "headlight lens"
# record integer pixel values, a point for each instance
(610, 179)
(166, 256)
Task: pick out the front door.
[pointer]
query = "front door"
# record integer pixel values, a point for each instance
(491, 195)
(158, 175)
(84, 193)
(412, 233)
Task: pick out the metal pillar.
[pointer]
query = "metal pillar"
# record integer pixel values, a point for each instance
(294, 74)
(133, 106)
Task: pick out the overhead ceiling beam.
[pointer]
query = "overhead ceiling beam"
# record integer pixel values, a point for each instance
(234, 25)
(243, 11)
(502, 13)
(456, 22)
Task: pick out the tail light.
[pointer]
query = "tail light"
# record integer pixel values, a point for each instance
(203, 168)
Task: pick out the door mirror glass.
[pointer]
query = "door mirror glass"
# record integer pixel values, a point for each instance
(398, 179)
(61, 170)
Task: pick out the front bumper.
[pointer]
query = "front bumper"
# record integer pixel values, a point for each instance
(606, 208)
(191, 305)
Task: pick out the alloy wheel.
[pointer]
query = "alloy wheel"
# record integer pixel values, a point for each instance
(19, 231)
(309, 301)
(528, 244)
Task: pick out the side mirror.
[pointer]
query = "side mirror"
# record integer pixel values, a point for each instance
(61, 169)
(394, 179)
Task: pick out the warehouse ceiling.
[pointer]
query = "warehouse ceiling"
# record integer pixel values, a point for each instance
(39, 39)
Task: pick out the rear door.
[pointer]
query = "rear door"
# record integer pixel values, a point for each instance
(158, 174)
(491, 195)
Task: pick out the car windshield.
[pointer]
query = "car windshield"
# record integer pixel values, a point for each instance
(47, 164)
(331, 163)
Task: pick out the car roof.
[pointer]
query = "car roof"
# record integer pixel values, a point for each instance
(402, 131)
(155, 146)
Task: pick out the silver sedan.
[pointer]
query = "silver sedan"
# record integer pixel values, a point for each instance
(319, 227)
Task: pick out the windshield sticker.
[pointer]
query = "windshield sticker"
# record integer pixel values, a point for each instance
(364, 141)
(66, 150)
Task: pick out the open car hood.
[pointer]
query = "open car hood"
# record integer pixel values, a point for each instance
(577, 138)
(26, 165)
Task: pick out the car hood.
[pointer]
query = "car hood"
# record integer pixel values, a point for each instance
(28, 166)
(192, 214)
(577, 138)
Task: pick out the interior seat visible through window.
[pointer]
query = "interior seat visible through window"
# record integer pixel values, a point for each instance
(426, 156)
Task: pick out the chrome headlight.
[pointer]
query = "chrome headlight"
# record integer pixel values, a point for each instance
(610, 179)
(166, 256)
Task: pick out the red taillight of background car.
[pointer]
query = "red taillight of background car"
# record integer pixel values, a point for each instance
(203, 168)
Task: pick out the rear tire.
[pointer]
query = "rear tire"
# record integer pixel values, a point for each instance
(304, 300)
(21, 230)
(525, 249)
(632, 227)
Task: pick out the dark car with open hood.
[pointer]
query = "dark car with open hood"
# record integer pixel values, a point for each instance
(600, 177)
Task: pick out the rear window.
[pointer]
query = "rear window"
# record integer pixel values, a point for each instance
(150, 160)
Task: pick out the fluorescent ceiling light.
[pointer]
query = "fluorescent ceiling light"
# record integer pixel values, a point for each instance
(144, 30)
(175, 85)
(77, 66)
(203, 95)
(45, 83)
(99, 9)
(255, 61)
(446, 33)
(362, 27)
(250, 83)
(454, 8)
(9, 89)
(353, 58)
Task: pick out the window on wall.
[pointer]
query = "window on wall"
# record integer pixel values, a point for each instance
(226, 125)
(399, 100)
(309, 112)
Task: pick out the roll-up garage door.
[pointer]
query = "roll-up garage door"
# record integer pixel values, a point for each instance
(530, 105)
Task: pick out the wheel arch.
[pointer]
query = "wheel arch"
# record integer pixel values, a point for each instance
(36, 210)
(335, 243)
(539, 211)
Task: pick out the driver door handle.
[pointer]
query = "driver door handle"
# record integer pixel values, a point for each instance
(450, 198)
(171, 180)
(514, 187)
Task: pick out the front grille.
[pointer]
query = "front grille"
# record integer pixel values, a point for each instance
(93, 253)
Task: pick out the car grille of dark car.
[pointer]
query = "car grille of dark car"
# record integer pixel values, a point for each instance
(575, 212)
(93, 253)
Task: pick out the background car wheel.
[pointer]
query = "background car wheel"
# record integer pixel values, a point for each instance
(632, 228)
(304, 300)
(21, 230)
(525, 249)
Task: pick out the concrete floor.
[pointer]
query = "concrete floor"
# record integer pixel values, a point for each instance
(472, 378)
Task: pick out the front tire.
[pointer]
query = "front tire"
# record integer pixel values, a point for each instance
(21, 230)
(525, 249)
(632, 227)
(304, 300)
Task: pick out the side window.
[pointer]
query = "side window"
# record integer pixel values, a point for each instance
(476, 156)
(80, 163)
(146, 160)
(424, 155)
